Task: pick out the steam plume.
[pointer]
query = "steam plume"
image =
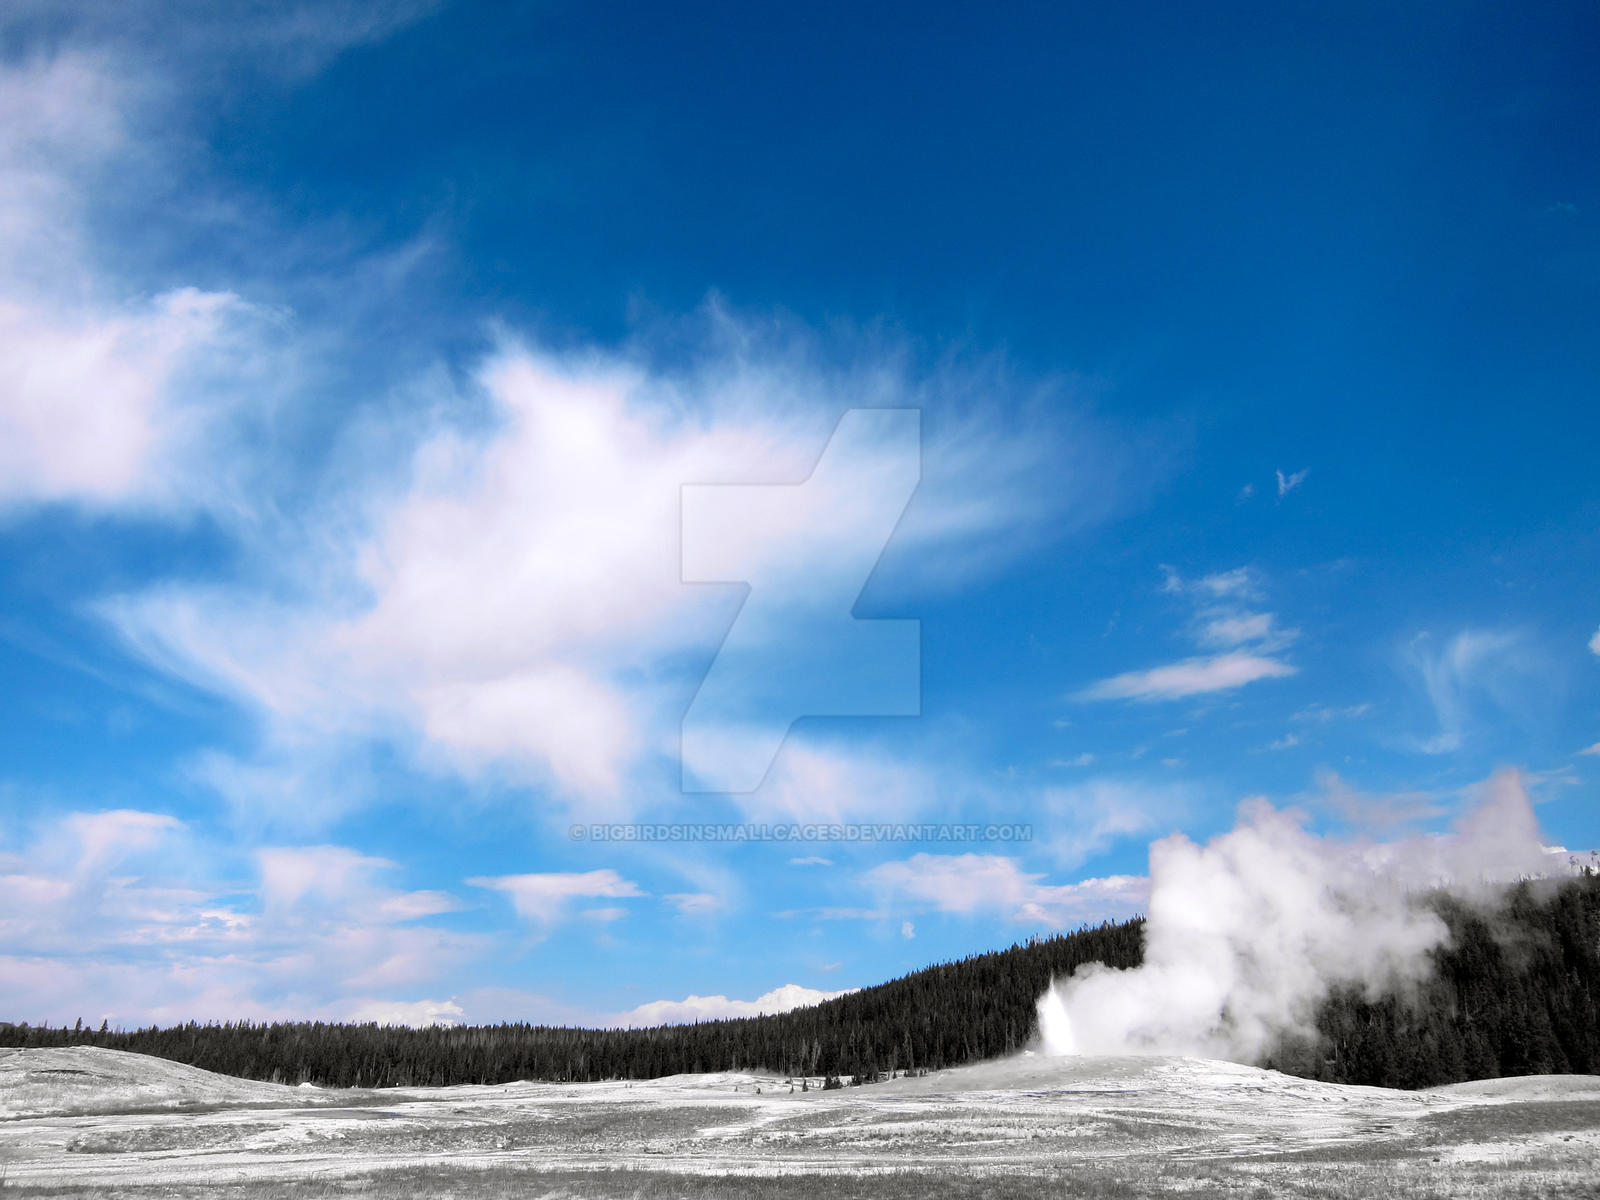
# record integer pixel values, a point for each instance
(1248, 933)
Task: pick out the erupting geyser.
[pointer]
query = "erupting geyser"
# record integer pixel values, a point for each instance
(1055, 1025)
(1247, 934)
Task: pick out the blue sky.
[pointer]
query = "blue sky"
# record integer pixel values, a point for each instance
(357, 357)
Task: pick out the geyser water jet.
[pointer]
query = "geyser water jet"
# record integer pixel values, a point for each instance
(1055, 1025)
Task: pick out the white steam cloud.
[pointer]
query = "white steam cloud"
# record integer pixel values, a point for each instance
(1248, 933)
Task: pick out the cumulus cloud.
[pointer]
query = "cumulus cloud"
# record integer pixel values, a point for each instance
(91, 410)
(415, 1013)
(110, 397)
(133, 917)
(1594, 642)
(694, 1008)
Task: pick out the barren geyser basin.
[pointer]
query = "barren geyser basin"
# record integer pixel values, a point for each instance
(89, 1122)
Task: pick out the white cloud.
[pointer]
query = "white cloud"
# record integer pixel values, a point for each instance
(967, 884)
(1226, 616)
(291, 40)
(1192, 676)
(1492, 665)
(1594, 642)
(1224, 621)
(812, 781)
(1082, 760)
(90, 409)
(1594, 749)
(132, 916)
(545, 898)
(1288, 483)
(1089, 818)
(501, 595)
(415, 1013)
(719, 1008)
(833, 913)
(694, 904)
(1236, 629)
(907, 930)
(1322, 714)
(513, 606)
(1241, 583)
(109, 399)
(1380, 810)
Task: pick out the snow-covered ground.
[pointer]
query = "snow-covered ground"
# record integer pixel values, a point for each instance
(110, 1123)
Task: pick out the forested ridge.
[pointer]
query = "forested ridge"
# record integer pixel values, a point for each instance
(1516, 991)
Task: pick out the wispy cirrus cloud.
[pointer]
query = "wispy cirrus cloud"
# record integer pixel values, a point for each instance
(1382, 811)
(1191, 677)
(694, 904)
(500, 597)
(1322, 714)
(511, 605)
(1288, 483)
(545, 898)
(292, 40)
(1088, 818)
(1226, 619)
(1457, 675)
(969, 884)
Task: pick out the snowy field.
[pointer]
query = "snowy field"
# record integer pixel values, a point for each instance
(91, 1122)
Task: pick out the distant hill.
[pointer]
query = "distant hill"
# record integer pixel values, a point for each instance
(1516, 992)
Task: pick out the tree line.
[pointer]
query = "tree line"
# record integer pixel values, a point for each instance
(1515, 991)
